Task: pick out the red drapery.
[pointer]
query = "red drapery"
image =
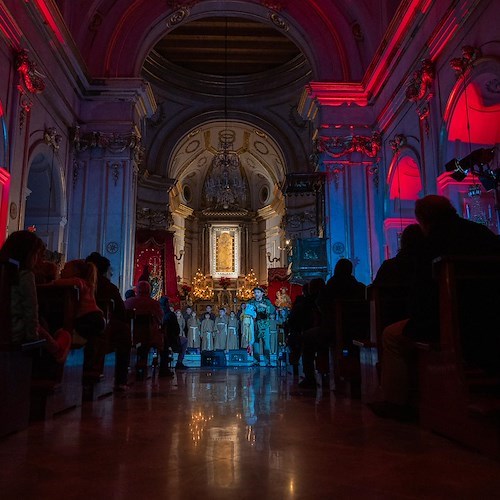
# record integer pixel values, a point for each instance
(155, 249)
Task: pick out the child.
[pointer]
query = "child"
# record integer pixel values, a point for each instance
(89, 321)
(25, 249)
(181, 321)
(221, 330)
(207, 330)
(193, 324)
(232, 332)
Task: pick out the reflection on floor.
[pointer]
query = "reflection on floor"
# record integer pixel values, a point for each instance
(236, 433)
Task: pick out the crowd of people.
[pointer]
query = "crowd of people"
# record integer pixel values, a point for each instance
(439, 231)
(103, 323)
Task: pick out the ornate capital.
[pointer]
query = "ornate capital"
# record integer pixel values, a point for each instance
(114, 143)
(462, 64)
(32, 79)
(420, 84)
(149, 217)
(52, 138)
(341, 146)
(399, 141)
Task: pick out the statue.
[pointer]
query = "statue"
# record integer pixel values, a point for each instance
(283, 300)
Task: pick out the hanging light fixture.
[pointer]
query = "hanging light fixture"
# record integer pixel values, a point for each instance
(225, 187)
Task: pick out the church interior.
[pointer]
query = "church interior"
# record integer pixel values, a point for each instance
(218, 145)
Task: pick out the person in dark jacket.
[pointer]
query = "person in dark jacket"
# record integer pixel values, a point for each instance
(172, 339)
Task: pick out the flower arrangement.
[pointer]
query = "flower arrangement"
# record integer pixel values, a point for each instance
(224, 282)
(185, 289)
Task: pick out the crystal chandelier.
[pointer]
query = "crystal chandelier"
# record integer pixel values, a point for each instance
(224, 186)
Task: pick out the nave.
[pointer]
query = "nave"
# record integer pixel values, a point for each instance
(232, 433)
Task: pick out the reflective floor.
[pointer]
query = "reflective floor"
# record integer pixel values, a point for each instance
(236, 433)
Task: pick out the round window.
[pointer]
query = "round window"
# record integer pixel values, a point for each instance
(264, 194)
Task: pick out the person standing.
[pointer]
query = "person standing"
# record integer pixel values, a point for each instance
(232, 332)
(207, 330)
(221, 330)
(263, 310)
(193, 327)
(247, 317)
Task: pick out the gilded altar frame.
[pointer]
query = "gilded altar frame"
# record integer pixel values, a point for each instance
(225, 245)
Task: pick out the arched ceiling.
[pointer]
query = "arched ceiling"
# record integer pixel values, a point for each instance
(254, 57)
(231, 46)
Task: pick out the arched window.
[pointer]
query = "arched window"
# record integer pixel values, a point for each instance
(405, 181)
(478, 108)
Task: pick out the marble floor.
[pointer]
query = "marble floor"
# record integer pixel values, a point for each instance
(235, 433)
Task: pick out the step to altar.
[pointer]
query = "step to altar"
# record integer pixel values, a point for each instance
(237, 357)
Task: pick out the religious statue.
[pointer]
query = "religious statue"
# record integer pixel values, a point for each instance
(283, 300)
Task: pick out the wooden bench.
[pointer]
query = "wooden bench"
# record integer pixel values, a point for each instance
(459, 378)
(16, 362)
(388, 304)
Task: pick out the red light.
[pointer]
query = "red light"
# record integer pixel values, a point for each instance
(50, 20)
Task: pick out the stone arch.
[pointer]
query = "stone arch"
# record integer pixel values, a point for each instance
(262, 159)
(45, 195)
(124, 56)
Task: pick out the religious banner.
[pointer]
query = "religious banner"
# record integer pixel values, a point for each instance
(280, 291)
(154, 262)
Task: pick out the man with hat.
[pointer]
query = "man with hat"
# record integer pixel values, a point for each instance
(263, 310)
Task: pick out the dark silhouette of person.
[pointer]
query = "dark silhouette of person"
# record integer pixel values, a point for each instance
(446, 234)
(117, 331)
(315, 337)
(400, 270)
(173, 339)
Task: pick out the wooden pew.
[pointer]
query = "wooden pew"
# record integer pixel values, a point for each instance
(15, 363)
(57, 388)
(460, 377)
(388, 304)
(351, 323)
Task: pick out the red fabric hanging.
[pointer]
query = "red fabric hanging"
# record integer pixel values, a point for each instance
(154, 253)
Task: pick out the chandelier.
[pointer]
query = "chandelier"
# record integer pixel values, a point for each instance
(225, 187)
